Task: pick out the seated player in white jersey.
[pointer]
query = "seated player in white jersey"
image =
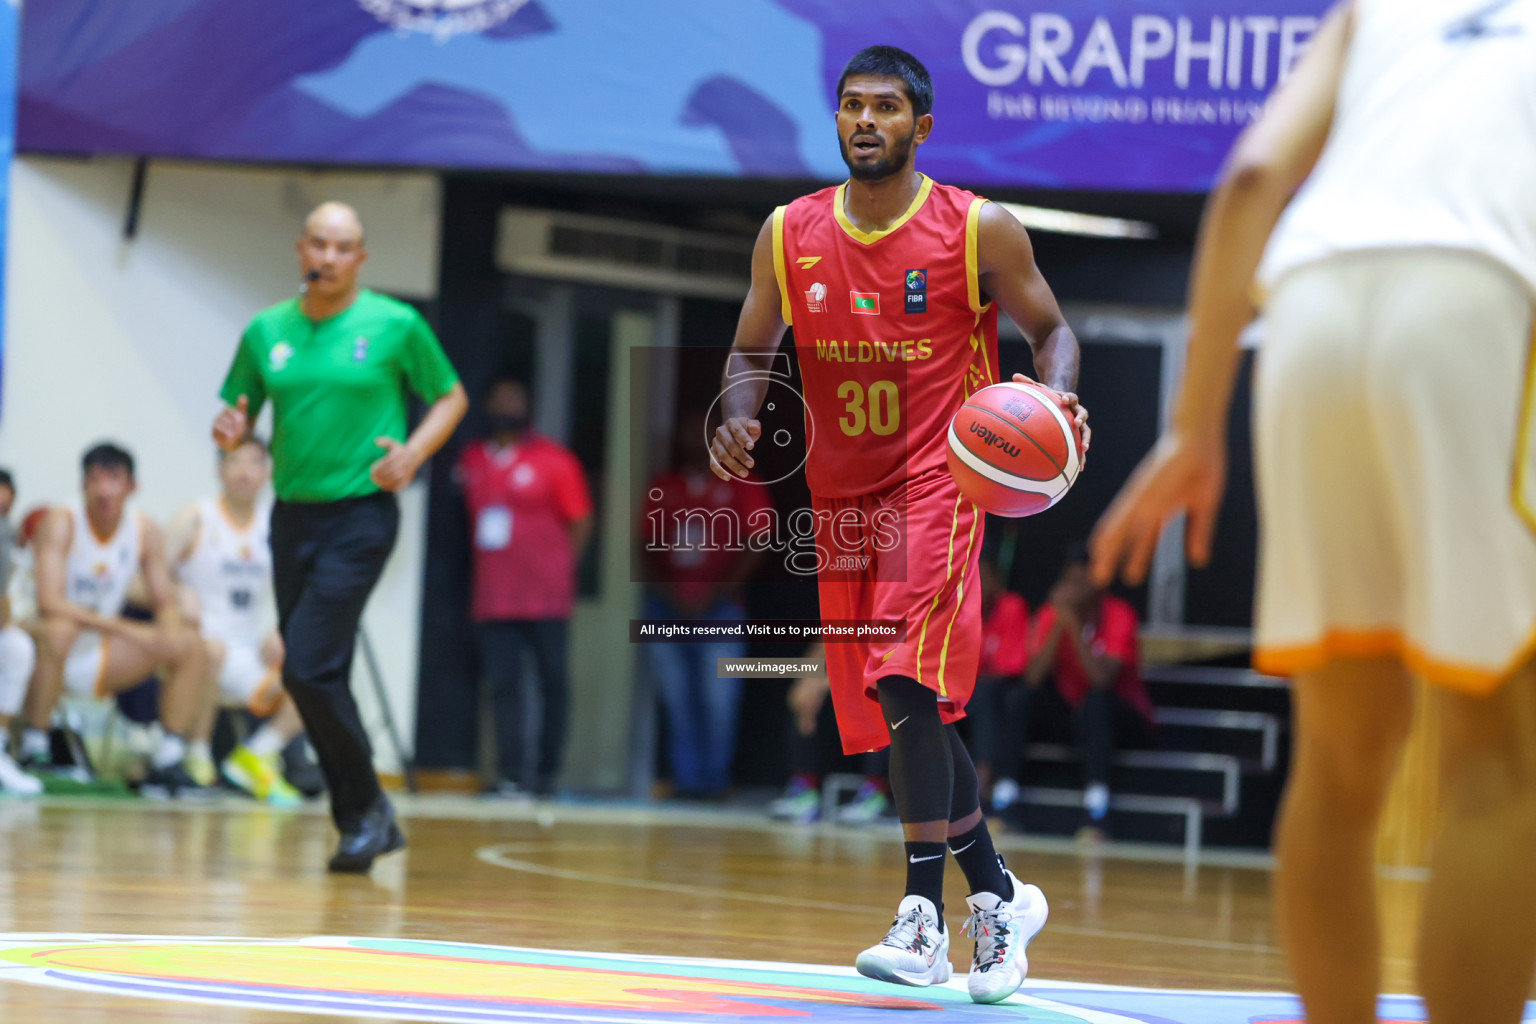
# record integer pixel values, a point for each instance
(17, 654)
(220, 556)
(85, 556)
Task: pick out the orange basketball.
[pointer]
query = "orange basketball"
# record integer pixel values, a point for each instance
(1013, 450)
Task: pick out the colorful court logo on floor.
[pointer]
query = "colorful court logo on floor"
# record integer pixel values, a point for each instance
(444, 981)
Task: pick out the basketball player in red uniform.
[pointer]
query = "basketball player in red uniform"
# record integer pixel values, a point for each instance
(892, 284)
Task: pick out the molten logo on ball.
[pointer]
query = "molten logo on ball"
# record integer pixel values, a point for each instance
(992, 439)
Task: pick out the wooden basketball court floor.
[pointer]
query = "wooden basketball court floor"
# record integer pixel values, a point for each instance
(641, 882)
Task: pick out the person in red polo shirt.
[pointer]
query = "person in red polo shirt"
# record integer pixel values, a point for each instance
(694, 533)
(530, 517)
(1086, 642)
(1004, 629)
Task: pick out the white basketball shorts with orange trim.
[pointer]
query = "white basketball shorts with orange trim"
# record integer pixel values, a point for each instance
(1393, 432)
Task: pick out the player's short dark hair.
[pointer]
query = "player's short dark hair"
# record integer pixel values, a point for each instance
(108, 456)
(891, 62)
(250, 438)
(6, 481)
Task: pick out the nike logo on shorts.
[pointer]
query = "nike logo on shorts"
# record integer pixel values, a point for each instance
(919, 860)
(897, 725)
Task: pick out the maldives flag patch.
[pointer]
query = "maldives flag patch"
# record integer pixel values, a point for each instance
(866, 302)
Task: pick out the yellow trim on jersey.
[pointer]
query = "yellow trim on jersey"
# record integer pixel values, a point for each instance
(973, 283)
(970, 545)
(780, 272)
(949, 565)
(986, 360)
(1521, 482)
(972, 261)
(870, 237)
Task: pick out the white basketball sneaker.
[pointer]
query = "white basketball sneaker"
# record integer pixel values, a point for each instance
(15, 781)
(1002, 931)
(914, 952)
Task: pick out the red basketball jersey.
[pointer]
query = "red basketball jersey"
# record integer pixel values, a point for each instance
(891, 332)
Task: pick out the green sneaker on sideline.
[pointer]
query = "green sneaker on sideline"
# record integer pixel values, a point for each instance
(262, 777)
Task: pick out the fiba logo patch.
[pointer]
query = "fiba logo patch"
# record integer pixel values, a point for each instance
(442, 19)
(915, 288)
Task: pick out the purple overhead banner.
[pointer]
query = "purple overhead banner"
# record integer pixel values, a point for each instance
(1072, 94)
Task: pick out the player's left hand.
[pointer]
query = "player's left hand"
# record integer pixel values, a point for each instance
(1070, 403)
(1180, 474)
(272, 649)
(806, 696)
(398, 466)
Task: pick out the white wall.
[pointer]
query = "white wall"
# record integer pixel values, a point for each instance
(129, 340)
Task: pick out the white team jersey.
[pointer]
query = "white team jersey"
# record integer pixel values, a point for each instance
(1433, 142)
(98, 572)
(230, 569)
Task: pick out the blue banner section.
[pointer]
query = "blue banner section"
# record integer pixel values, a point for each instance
(8, 24)
(1095, 94)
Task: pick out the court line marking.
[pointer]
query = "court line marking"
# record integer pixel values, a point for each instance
(335, 1002)
(498, 856)
(319, 1003)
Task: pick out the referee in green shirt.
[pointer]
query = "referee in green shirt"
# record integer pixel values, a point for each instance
(336, 363)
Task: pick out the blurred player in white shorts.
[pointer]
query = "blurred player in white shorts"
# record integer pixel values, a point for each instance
(18, 654)
(85, 557)
(221, 557)
(1394, 404)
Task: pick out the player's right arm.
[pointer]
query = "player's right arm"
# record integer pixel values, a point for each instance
(1186, 470)
(180, 539)
(758, 334)
(181, 534)
(50, 556)
(157, 577)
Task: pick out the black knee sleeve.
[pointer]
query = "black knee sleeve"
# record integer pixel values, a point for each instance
(922, 769)
(966, 790)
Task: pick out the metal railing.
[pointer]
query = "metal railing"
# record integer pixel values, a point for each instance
(1266, 725)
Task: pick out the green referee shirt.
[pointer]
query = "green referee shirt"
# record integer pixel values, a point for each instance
(335, 385)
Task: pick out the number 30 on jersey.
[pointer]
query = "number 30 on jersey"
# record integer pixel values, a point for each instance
(876, 409)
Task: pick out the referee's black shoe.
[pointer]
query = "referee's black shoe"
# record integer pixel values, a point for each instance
(376, 835)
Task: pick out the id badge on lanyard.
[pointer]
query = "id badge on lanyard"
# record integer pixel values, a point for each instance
(493, 528)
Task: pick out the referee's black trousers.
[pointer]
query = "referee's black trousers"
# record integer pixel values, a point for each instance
(326, 558)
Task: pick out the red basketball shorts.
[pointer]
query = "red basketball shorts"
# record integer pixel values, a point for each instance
(909, 554)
